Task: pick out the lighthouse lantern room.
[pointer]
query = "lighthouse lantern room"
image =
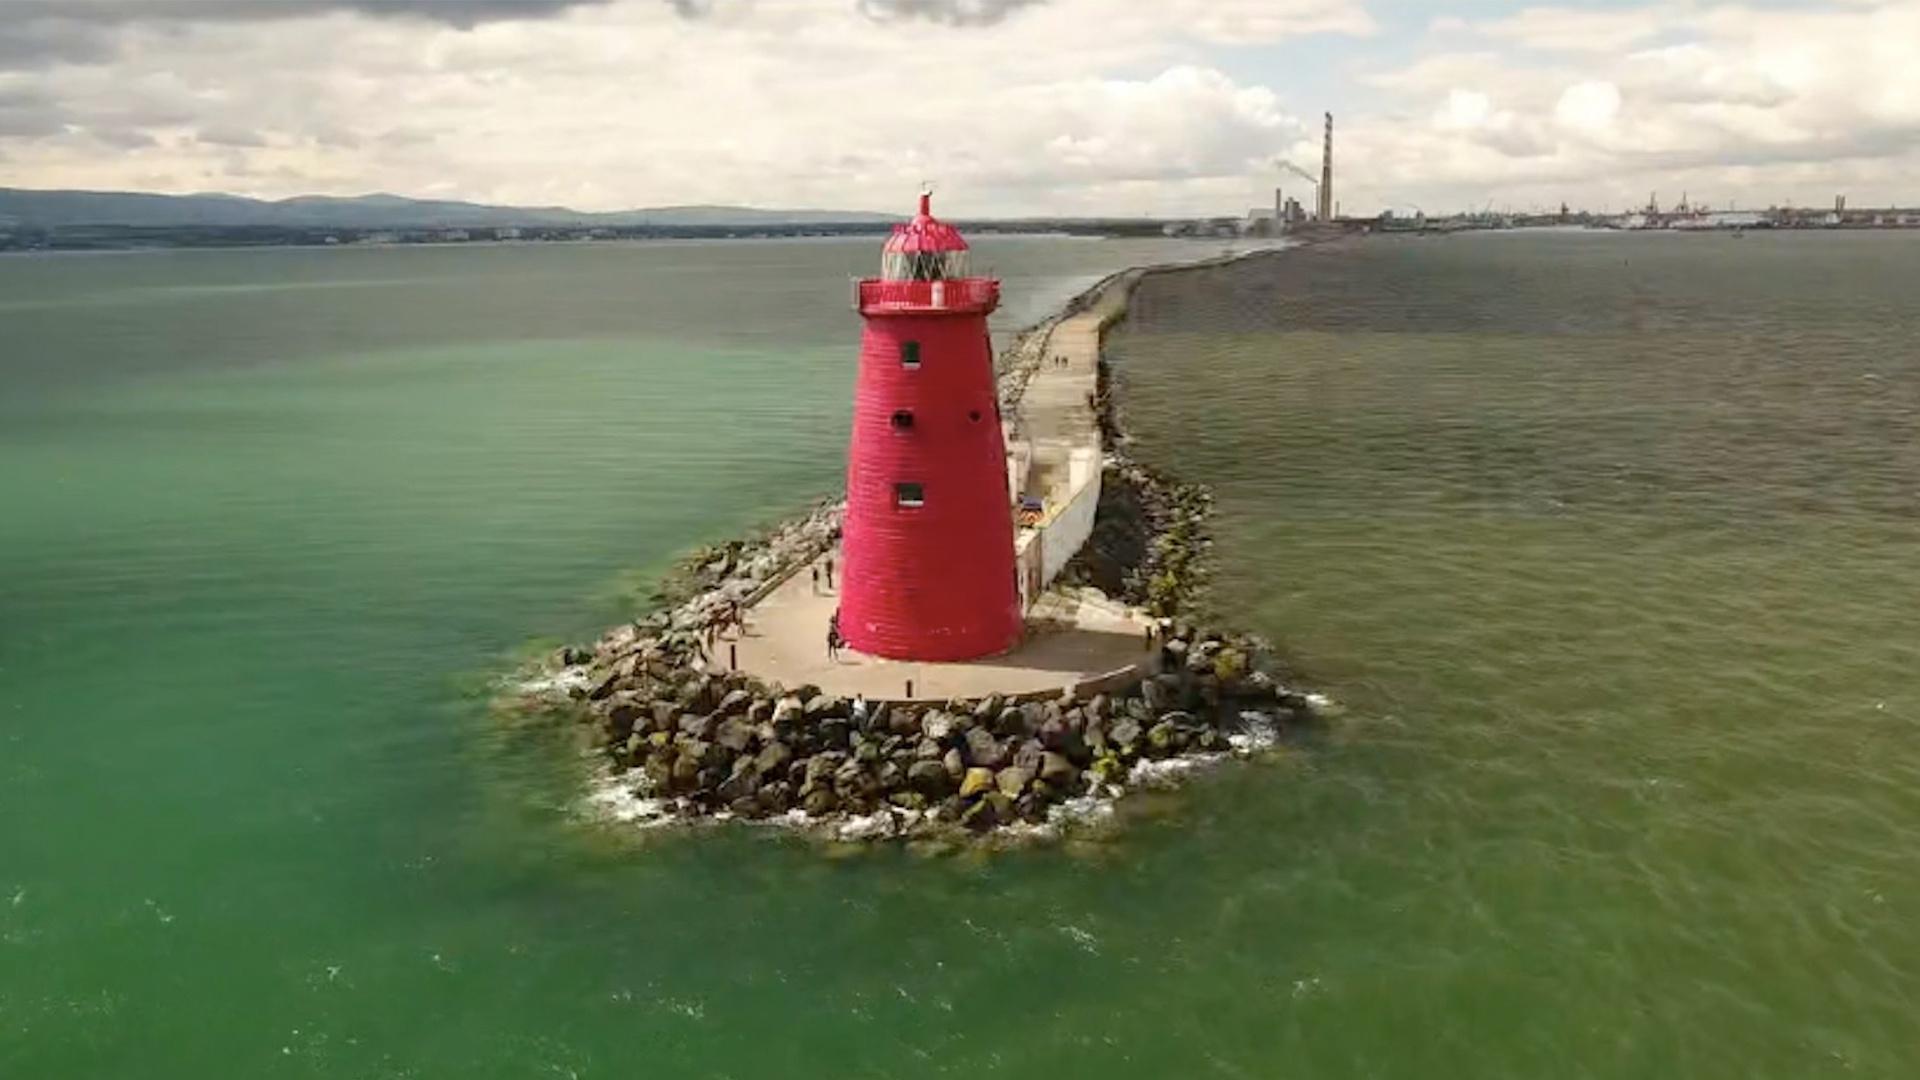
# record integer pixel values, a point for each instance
(927, 549)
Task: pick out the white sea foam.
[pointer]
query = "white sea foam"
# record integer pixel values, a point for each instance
(555, 684)
(612, 800)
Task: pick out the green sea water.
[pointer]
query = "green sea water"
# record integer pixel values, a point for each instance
(1607, 545)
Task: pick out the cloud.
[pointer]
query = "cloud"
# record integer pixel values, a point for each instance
(231, 136)
(631, 103)
(1579, 30)
(460, 13)
(36, 33)
(1740, 101)
(945, 12)
(1043, 106)
(1588, 106)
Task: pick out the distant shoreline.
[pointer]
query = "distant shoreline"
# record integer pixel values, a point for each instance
(36, 239)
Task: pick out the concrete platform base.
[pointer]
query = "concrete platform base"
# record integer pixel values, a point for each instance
(1073, 641)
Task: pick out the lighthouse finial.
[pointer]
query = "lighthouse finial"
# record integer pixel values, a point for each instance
(926, 198)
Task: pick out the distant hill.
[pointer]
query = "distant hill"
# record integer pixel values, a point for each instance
(47, 209)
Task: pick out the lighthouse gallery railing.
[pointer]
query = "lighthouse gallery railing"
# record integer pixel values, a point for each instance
(957, 294)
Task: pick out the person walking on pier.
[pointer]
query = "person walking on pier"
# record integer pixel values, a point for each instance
(836, 618)
(816, 579)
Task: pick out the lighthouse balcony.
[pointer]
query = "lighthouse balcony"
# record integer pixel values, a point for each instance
(964, 296)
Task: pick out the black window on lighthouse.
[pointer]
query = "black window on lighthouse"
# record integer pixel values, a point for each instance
(902, 420)
(910, 355)
(908, 496)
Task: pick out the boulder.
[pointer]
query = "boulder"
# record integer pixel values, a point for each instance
(1125, 734)
(1258, 685)
(819, 771)
(686, 773)
(742, 782)
(903, 721)
(711, 754)
(1027, 755)
(822, 706)
(1012, 723)
(1097, 740)
(604, 688)
(1166, 738)
(1175, 651)
(735, 703)
(1058, 772)
(772, 760)
(658, 774)
(734, 734)
(939, 726)
(852, 781)
(979, 817)
(787, 710)
(623, 716)
(777, 797)
(986, 708)
(834, 732)
(820, 802)
(1159, 694)
(929, 778)
(976, 781)
(954, 763)
(1013, 780)
(984, 750)
(699, 727)
(1051, 732)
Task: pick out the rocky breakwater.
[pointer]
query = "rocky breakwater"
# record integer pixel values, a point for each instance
(682, 741)
(681, 737)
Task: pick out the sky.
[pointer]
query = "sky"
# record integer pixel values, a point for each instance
(1008, 107)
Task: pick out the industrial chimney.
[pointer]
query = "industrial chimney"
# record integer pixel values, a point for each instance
(1326, 174)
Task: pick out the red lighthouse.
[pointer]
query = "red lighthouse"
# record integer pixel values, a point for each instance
(928, 565)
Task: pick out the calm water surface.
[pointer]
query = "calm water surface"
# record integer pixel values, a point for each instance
(1607, 543)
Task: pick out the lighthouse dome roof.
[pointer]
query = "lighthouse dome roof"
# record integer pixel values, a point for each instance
(925, 233)
(924, 248)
